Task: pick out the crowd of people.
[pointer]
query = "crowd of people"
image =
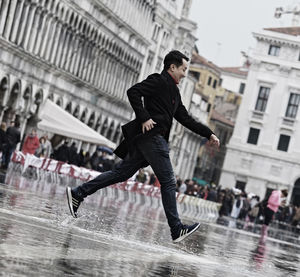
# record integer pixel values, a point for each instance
(238, 204)
(100, 160)
(235, 203)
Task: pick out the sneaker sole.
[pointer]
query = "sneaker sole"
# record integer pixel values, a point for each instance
(69, 196)
(186, 235)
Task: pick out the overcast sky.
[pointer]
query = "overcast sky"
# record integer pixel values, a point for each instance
(225, 26)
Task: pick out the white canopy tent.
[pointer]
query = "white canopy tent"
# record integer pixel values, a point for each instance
(57, 121)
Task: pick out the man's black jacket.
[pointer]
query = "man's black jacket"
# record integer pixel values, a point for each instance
(162, 102)
(13, 136)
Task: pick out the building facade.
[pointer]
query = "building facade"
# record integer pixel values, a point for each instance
(84, 55)
(263, 153)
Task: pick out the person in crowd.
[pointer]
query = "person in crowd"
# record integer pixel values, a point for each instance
(296, 218)
(178, 183)
(237, 206)
(48, 147)
(81, 155)
(190, 186)
(95, 159)
(73, 155)
(141, 176)
(155, 102)
(13, 138)
(204, 193)
(105, 163)
(31, 143)
(227, 203)
(252, 216)
(152, 179)
(277, 198)
(3, 140)
(290, 211)
(41, 151)
(63, 152)
(212, 194)
(182, 187)
(245, 207)
(87, 160)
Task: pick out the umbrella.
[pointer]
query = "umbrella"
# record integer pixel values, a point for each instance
(105, 149)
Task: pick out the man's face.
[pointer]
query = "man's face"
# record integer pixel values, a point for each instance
(179, 72)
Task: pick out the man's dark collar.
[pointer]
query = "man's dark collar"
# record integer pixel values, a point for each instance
(169, 77)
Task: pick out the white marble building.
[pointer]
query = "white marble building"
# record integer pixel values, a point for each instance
(264, 151)
(84, 55)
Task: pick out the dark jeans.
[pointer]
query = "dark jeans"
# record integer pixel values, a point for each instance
(7, 153)
(268, 216)
(155, 151)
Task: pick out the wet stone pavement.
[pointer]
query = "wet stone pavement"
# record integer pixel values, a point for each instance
(114, 237)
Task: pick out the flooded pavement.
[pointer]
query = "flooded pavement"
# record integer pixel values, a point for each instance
(117, 237)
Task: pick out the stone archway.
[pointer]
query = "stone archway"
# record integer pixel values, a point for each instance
(104, 127)
(295, 199)
(10, 112)
(3, 92)
(26, 99)
(76, 111)
(110, 130)
(69, 108)
(83, 116)
(91, 120)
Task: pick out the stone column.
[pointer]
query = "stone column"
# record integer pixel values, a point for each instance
(91, 63)
(82, 58)
(74, 53)
(78, 54)
(51, 41)
(32, 43)
(3, 15)
(16, 23)
(46, 37)
(9, 18)
(29, 25)
(86, 59)
(110, 78)
(155, 59)
(70, 51)
(61, 43)
(104, 71)
(65, 49)
(41, 32)
(21, 30)
(107, 75)
(57, 35)
(98, 67)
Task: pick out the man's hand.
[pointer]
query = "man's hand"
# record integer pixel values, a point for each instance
(213, 141)
(148, 125)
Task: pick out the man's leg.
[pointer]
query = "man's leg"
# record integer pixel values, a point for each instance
(124, 170)
(156, 152)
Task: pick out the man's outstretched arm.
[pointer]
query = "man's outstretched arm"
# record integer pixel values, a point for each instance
(183, 117)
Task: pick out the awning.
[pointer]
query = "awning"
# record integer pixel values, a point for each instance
(57, 121)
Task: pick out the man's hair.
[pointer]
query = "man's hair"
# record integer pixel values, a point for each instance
(284, 192)
(174, 57)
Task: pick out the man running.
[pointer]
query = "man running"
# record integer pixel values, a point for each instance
(146, 140)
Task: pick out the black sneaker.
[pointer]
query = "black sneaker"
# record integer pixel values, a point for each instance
(73, 203)
(184, 232)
